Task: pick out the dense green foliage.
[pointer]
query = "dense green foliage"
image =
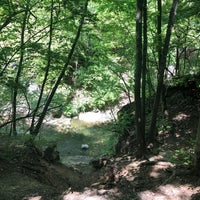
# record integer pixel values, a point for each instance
(37, 36)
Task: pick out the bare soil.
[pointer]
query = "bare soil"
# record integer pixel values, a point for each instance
(166, 173)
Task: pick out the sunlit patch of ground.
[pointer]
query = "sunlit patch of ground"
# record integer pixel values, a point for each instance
(83, 196)
(181, 116)
(169, 192)
(33, 198)
(91, 194)
(158, 167)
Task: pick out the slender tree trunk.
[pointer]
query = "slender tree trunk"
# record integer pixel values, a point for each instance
(197, 151)
(159, 32)
(138, 70)
(159, 50)
(177, 61)
(41, 118)
(47, 68)
(143, 110)
(18, 75)
(162, 66)
(9, 19)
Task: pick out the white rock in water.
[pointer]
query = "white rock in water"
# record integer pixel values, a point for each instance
(84, 146)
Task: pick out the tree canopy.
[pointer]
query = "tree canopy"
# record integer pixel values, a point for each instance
(76, 56)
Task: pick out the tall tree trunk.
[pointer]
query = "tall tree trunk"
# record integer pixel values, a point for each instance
(18, 75)
(144, 54)
(197, 151)
(161, 69)
(47, 68)
(138, 70)
(159, 31)
(53, 91)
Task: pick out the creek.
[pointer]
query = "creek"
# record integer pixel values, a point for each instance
(97, 133)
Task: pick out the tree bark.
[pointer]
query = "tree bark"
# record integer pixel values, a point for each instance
(197, 151)
(144, 54)
(47, 68)
(161, 69)
(138, 71)
(18, 75)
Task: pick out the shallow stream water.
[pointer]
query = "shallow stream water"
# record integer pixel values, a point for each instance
(90, 132)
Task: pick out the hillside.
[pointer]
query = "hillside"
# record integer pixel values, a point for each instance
(166, 174)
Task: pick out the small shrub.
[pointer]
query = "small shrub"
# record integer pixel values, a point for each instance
(182, 157)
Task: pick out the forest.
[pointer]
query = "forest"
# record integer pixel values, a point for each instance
(99, 99)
